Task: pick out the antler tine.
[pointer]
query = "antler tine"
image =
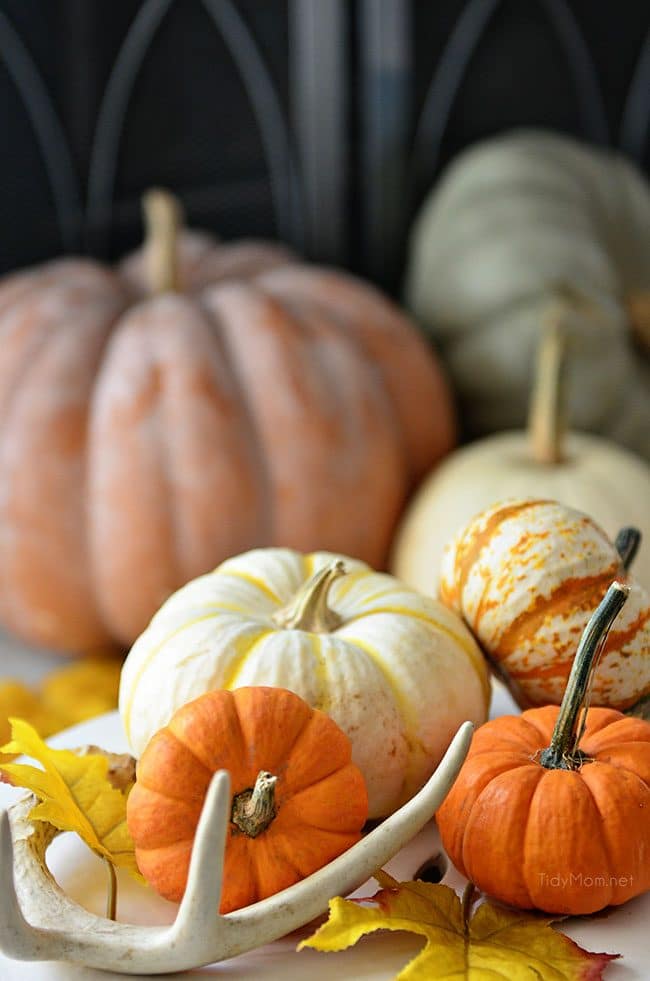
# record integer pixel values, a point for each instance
(17, 937)
(199, 909)
(258, 924)
(60, 929)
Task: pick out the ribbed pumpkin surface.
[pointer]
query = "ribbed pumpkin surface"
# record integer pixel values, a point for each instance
(320, 799)
(143, 440)
(556, 840)
(513, 220)
(397, 672)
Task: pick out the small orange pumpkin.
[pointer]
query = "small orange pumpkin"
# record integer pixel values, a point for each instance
(553, 813)
(298, 800)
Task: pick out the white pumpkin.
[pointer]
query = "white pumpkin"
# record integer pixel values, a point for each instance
(511, 219)
(526, 576)
(581, 470)
(398, 672)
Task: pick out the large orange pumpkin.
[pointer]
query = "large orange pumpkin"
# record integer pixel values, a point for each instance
(298, 800)
(144, 438)
(551, 813)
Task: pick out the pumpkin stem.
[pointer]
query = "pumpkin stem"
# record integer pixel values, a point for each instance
(163, 218)
(563, 752)
(545, 423)
(637, 306)
(308, 610)
(254, 809)
(627, 545)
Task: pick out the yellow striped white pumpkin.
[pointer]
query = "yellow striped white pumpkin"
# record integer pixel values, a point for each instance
(397, 671)
(526, 575)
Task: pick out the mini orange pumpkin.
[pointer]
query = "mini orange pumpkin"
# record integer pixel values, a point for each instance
(298, 800)
(553, 813)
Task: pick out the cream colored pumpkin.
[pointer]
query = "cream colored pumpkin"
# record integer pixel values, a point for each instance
(396, 671)
(581, 470)
(526, 576)
(511, 219)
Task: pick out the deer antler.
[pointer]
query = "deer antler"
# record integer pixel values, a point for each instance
(38, 921)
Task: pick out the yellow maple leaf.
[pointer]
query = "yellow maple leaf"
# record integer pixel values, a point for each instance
(75, 794)
(19, 700)
(82, 690)
(492, 943)
(76, 692)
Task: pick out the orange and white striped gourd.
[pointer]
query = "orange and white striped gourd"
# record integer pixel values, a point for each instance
(396, 671)
(525, 576)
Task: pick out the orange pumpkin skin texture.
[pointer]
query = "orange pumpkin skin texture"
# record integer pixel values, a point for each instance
(562, 841)
(144, 439)
(320, 795)
(525, 576)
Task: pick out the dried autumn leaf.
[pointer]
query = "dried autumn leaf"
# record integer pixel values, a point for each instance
(16, 699)
(82, 690)
(75, 793)
(72, 694)
(121, 766)
(492, 943)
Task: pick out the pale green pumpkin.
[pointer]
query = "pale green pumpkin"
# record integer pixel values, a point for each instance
(513, 219)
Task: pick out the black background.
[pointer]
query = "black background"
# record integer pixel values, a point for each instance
(189, 123)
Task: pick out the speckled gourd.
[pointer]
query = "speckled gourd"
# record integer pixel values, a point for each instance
(525, 576)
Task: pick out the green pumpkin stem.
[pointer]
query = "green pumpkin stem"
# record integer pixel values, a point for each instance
(254, 809)
(163, 218)
(564, 752)
(308, 610)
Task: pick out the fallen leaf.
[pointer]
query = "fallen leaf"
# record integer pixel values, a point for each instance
(492, 943)
(18, 700)
(82, 690)
(77, 692)
(75, 793)
(121, 766)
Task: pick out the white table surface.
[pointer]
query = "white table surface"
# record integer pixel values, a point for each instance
(624, 930)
